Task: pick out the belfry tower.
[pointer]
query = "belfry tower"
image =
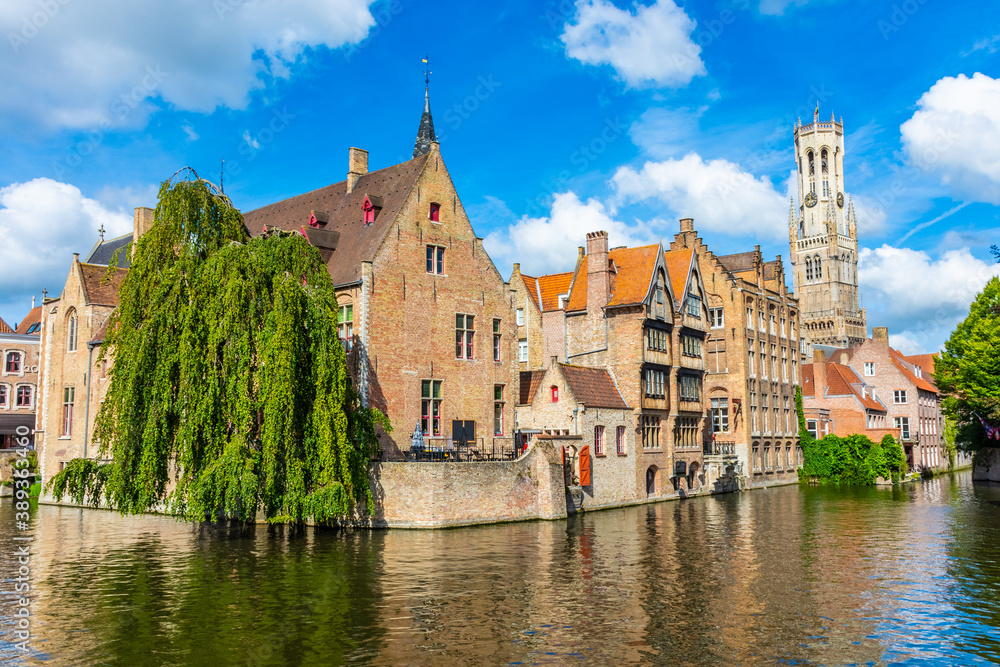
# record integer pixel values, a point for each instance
(823, 236)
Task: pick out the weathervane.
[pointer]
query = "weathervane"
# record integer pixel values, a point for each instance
(427, 70)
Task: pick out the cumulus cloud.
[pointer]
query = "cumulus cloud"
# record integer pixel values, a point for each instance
(919, 298)
(650, 47)
(81, 64)
(955, 133)
(548, 244)
(42, 223)
(718, 194)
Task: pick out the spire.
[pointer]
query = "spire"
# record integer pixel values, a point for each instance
(425, 133)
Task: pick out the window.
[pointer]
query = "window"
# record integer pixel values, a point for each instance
(687, 432)
(430, 407)
(435, 212)
(496, 340)
(869, 368)
(690, 388)
(750, 356)
(13, 364)
(3, 396)
(788, 423)
(717, 316)
(916, 371)
(763, 412)
(812, 163)
(71, 332)
(774, 362)
(783, 327)
(763, 359)
(655, 382)
(809, 268)
(650, 431)
(756, 456)
(656, 339)
(520, 317)
(694, 305)
(899, 396)
(465, 332)
(620, 441)
(690, 346)
(784, 363)
(760, 319)
(903, 424)
(522, 350)
(498, 409)
(720, 415)
(818, 268)
(369, 211)
(774, 325)
(69, 394)
(823, 156)
(345, 327)
(554, 390)
(811, 427)
(749, 317)
(23, 397)
(767, 457)
(599, 441)
(435, 259)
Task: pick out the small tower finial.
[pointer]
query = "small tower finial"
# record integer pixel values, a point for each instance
(100, 230)
(425, 132)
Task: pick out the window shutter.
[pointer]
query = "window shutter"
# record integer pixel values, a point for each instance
(585, 466)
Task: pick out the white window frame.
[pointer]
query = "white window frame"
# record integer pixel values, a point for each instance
(869, 369)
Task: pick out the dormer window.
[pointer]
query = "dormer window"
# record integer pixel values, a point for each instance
(435, 212)
(371, 207)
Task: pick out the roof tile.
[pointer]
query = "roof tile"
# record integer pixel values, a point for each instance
(97, 289)
(592, 387)
(34, 316)
(630, 281)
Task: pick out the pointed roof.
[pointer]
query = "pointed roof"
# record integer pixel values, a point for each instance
(98, 289)
(679, 270)
(5, 328)
(33, 317)
(425, 132)
(630, 280)
(901, 363)
(103, 251)
(545, 290)
(840, 381)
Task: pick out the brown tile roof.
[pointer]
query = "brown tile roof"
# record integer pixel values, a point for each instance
(741, 261)
(840, 381)
(529, 383)
(901, 363)
(4, 327)
(551, 286)
(770, 270)
(678, 270)
(592, 387)
(34, 316)
(358, 242)
(96, 289)
(629, 282)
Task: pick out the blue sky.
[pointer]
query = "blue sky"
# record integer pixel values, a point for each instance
(555, 119)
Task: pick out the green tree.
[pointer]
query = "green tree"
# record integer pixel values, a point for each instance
(968, 370)
(229, 396)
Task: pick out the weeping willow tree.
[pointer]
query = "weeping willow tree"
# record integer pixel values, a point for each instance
(229, 395)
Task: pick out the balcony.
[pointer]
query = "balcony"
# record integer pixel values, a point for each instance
(720, 448)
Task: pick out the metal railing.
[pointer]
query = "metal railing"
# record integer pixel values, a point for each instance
(459, 452)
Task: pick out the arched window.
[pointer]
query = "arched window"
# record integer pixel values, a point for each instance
(71, 330)
(809, 268)
(13, 364)
(818, 269)
(812, 163)
(823, 162)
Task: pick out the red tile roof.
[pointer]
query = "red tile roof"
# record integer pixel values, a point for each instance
(551, 286)
(630, 279)
(358, 242)
(902, 364)
(531, 284)
(925, 361)
(5, 328)
(99, 290)
(678, 270)
(840, 381)
(34, 316)
(592, 387)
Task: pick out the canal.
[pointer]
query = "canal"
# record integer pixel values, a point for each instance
(906, 575)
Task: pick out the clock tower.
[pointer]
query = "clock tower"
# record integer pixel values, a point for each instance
(823, 236)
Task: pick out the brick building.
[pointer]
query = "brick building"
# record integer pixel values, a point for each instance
(835, 399)
(752, 362)
(18, 377)
(537, 301)
(425, 314)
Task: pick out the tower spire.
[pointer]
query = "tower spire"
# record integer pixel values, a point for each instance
(425, 132)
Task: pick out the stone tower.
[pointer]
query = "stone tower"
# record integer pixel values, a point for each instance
(823, 236)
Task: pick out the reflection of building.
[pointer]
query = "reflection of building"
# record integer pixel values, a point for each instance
(18, 378)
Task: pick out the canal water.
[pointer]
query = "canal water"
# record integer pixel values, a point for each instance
(906, 575)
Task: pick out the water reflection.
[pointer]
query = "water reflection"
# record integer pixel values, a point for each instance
(802, 576)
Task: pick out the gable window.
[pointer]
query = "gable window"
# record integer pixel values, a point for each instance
(869, 368)
(435, 212)
(3, 396)
(345, 326)
(435, 259)
(496, 340)
(69, 396)
(430, 407)
(899, 396)
(23, 397)
(369, 208)
(13, 364)
(720, 415)
(554, 390)
(620, 441)
(71, 326)
(690, 346)
(656, 339)
(717, 317)
(498, 409)
(520, 317)
(465, 332)
(655, 382)
(690, 388)
(694, 306)
(599, 441)
(522, 350)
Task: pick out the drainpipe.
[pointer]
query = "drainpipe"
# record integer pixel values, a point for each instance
(86, 410)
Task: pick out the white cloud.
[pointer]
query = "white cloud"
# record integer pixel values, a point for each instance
(189, 131)
(650, 47)
(718, 194)
(955, 133)
(42, 223)
(920, 298)
(251, 141)
(81, 64)
(871, 215)
(548, 244)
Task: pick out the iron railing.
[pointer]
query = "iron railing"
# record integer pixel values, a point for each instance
(480, 450)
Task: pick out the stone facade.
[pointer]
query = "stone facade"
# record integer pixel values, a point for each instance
(752, 364)
(823, 237)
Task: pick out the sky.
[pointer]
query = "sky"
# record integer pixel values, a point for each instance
(555, 118)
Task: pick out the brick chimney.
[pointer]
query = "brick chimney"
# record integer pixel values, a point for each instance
(357, 166)
(598, 273)
(880, 336)
(819, 373)
(687, 224)
(142, 221)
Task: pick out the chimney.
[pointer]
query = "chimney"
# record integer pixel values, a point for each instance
(819, 373)
(142, 221)
(517, 268)
(880, 336)
(598, 274)
(843, 358)
(357, 166)
(687, 224)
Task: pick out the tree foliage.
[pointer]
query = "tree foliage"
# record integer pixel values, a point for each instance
(968, 370)
(229, 394)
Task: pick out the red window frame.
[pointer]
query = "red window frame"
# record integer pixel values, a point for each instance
(430, 408)
(465, 336)
(555, 394)
(69, 397)
(13, 364)
(23, 399)
(498, 403)
(620, 440)
(3, 396)
(599, 440)
(496, 340)
(435, 212)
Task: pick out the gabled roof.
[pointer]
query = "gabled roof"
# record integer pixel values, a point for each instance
(840, 381)
(103, 251)
(34, 316)
(550, 287)
(925, 361)
(592, 387)
(630, 279)
(679, 270)
(531, 284)
(96, 289)
(358, 242)
(530, 382)
(4, 327)
(902, 364)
